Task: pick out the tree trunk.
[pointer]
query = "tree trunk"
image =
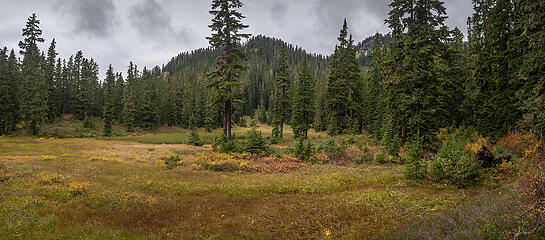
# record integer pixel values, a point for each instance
(227, 120)
(282, 129)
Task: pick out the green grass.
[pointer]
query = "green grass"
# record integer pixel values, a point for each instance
(137, 199)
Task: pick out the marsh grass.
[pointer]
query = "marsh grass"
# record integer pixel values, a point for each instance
(135, 199)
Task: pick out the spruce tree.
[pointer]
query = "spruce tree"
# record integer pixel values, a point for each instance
(338, 89)
(226, 27)
(34, 106)
(281, 107)
(9, 81)
(129, 108)
(529, 48)
(413, 88)
(344, 93)
(304, 103)
(4, 92)
(109, 101)
(51, 78)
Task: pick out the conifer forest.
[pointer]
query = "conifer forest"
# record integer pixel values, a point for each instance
(421, 131)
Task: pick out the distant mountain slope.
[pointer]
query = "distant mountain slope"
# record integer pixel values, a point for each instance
(189, 68)
(258, 81)
(365, 47)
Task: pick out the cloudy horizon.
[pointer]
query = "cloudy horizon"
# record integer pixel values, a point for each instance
(151, 32)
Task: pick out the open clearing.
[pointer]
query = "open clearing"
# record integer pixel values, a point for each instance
(109, 189)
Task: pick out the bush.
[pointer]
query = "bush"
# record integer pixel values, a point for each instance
(532, 184)
(230, 145)
(172, 161)
(415, 168)
(242, 122)
(194, 139)
(303, 150)
(330, 146)
(487, 158)
(363, 159)
(382, 157)
(456, 165)
(89, 124)
(255, 143)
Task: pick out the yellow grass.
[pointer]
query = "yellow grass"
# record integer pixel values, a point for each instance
(90, 193)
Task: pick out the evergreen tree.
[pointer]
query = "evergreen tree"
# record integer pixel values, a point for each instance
(529, 48)
(344, 93)
(413, 88)
(51, 78)
(281, 108)
(303, 104)
(129, 109)
(4, 92)
(109, 101)
(495, 106)
(33, 99)
(9, 83)
(373, 87)
(32, 34)
(338, 88)
(226, 27)
(118, 97)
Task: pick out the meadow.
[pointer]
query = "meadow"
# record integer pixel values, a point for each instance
(125, 188)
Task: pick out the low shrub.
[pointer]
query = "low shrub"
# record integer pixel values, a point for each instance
(194, 139)
(531, 184)
(49, 178)
(230, 145)
(77, 189)
(415, 168)
(366, 158)
(256, 143)
(89, 124)
(303, 150)
(382, 157)
(171, 162)
(455, 164)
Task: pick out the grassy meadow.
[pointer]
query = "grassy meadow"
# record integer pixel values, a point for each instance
(123, 188)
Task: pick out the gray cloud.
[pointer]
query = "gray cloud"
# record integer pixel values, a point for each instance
(278, 10)
(152, 22)
(150, 32)
(96, 18)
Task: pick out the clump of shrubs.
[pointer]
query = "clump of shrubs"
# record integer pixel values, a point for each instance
(382, 157)
(255, 143)
(89, 124)
(415, 169)
(194, 138)
(229, 145)
(455, 164)
(171, 162)
(366, 158)
(303, 150)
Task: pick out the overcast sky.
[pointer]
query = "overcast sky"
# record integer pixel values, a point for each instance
(150, 32)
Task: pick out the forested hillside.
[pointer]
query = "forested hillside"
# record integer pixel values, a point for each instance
(189, 69)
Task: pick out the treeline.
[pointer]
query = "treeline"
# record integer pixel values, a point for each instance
(429, 78)
(418, 79)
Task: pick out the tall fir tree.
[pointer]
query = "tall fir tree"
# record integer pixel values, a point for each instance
(281, 107)
(226, 27)
(129, 105)
(51, 78)
(413, 91)
(529, 48)
(109, 101)
(344, 93)
(338, 89)
(34, 106)
(304, 106)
